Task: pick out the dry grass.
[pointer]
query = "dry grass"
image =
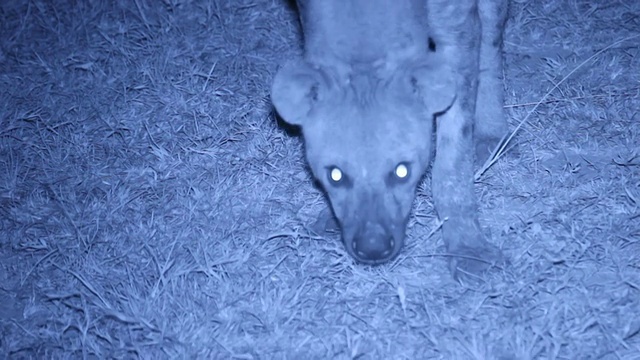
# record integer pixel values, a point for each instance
(150, 206)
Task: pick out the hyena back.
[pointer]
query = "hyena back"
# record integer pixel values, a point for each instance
(375, 77)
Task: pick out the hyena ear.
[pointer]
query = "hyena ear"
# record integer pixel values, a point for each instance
(296, 88)
(434, 85)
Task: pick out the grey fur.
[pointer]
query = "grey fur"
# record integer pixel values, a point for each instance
(366, 95)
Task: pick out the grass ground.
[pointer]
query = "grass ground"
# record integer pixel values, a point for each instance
(151, 207)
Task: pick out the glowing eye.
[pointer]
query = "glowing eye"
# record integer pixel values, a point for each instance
(335, 174)
(401, 171)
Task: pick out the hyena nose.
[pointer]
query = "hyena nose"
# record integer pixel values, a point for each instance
(373, 246)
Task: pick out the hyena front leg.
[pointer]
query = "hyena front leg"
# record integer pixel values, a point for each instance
(457, 36)
(491, 124)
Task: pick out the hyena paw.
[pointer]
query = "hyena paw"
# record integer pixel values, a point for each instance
(470, 254)
(471, 262)
(326, 223)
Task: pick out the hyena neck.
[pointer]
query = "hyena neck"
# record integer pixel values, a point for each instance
(359, 35)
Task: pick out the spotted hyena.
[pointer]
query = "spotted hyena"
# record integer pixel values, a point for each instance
(376, 77)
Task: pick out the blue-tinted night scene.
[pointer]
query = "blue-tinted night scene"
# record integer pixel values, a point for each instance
(319, 179)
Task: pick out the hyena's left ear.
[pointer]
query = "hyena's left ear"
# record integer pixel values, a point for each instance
(434, 85)
(296, 89)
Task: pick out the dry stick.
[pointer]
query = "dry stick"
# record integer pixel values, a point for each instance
(499, 151)
(632, 91)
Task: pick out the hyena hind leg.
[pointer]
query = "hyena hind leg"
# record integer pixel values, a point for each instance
(490, 124)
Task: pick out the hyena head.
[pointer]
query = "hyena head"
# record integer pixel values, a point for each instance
(368, 142)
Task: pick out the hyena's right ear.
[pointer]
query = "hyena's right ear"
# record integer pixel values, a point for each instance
(296, 89)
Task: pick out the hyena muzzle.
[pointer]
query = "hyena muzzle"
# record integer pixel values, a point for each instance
(376, 77)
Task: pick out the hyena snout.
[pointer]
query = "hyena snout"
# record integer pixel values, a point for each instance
(373, 227)
(373, 244)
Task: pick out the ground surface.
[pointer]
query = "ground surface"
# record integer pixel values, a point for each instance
(151, 207)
